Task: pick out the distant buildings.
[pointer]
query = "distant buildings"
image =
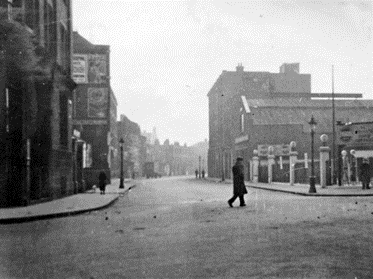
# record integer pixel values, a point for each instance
(252, 110)
(95, 107)
(35, 101)
(175, 159)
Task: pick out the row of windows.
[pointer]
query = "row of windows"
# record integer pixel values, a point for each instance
(29, 12)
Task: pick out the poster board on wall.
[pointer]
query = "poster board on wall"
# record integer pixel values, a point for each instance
(97, 68)
(97, 102)
(80, 68)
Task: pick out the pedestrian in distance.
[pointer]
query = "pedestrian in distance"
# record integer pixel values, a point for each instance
(196, 172)
(365, 173)
(239, 188)
(102, 182)
(203, 174)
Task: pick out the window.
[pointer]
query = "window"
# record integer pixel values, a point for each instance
(32, 15)
(17, 10)
(63, 47)
(46, 25)
(64, 121)
(29, 13)
(50, 32)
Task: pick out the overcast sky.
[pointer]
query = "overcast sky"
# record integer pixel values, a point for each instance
(166, 55)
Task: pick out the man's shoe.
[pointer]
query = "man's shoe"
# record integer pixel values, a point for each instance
(242, 205)
(230, 204)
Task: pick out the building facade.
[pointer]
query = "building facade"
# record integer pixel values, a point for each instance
(254, 110)
(95, 106)
(175, 159)
(36, 101)
(134, 148)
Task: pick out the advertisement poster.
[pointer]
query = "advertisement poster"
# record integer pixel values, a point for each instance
(97, 102)
(97, 69)
(279, 149)
(356, 134)
(80, 68)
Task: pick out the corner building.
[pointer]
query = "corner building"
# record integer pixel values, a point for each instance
(36, 117)
(252, 110)
(95, 107)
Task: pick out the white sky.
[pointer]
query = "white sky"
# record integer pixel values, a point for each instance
(166, 55)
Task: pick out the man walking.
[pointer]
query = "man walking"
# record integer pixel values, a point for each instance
(239, 188)
(365, 174)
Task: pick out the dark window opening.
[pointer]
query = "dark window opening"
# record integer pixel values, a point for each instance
(64, 121)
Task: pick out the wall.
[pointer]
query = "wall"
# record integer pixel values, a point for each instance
(95, 103)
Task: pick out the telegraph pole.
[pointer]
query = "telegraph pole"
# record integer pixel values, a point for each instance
(333, 170)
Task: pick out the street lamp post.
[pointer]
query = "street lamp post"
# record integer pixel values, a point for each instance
(312, 177)
(121, 185)
(354, 165)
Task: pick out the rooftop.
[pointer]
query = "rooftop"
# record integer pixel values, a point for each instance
(82, 45)
(282, 111)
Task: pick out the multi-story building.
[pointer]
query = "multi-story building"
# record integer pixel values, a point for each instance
(35, 100)
(95, 106)
(252, 110)
(134, 147)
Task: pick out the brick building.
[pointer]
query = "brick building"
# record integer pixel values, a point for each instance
(95, 106)
(35, 102)
(252, 110)
(134, 147)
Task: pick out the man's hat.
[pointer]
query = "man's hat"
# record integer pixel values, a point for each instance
(239, 159)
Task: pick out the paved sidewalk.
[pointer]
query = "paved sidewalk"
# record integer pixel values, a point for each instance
(302, 189)
(70, 205)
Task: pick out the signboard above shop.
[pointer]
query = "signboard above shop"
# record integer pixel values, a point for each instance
(356, 134)
(279, 149)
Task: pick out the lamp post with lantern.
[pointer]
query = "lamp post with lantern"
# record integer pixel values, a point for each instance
(313, 124)
(324, 157)
(345, 168)
(121, 185)
(354, 165)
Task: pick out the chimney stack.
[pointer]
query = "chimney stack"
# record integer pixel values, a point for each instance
(239, 68)
(287, 68)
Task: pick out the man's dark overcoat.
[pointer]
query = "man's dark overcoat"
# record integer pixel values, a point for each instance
(102, 181)
(365, 172)
(238, 180)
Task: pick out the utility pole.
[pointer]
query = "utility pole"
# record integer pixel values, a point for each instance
(333, 166)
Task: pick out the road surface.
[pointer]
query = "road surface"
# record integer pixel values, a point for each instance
(183, 228)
